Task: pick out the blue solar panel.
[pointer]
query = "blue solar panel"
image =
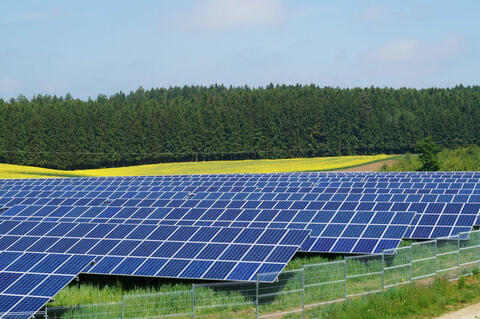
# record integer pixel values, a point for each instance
(127, 249)
(118, 187)
(315, 198)
(29, 280)
(359, 232)
(295, 218)
(315, 221)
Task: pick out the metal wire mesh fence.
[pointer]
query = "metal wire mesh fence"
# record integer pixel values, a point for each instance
(297, 293)
(214, 300)
(90, 311)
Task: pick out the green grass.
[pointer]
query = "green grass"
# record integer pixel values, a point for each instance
(409, 301)
(459, 159)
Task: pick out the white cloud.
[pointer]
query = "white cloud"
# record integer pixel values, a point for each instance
(413, 58)
(224, 15)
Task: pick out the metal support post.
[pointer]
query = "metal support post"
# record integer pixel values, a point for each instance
(256, 299)
(436, 253)
(303, 292)
(458, 257)
(123, 306)
(410, 270)
(193, 300)
(345, 278)
(383, 271)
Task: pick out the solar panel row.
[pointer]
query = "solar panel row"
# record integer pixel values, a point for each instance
(311, 215)
(29, 280)
(131, 198)
(238, 185)
(311, 182)
(165, 251)
(375, 225)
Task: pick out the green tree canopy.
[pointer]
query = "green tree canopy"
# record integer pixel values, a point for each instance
(429, 154)
(219, 123)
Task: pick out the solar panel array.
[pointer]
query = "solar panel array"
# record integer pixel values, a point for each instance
(30, 280)
(172, 201)
(163, 251)
(449, 201)
(228, 227)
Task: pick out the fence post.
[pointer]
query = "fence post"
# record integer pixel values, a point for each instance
(345, 278)
(256, 299)
(436, 253)
(410, 270)
(458, 257)
(193, 300)
(383, 271)
(303, 292)
(123, 306)
(46, 313)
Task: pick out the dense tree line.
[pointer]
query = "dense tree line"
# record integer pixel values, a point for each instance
(219, 123)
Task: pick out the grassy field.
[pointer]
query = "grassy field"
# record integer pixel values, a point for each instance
(410, 301)
(214, 167)
(459, 159)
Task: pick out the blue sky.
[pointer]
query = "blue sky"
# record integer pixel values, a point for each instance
(91, 47)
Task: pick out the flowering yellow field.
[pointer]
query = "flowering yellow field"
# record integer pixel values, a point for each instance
(217, 167)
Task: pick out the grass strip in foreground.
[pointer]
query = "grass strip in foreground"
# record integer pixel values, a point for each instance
(409, 301)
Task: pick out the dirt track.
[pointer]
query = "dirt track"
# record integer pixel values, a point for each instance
(369, 167)
(469, 312)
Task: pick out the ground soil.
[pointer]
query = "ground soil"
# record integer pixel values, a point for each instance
(372, 167)
(469, 312)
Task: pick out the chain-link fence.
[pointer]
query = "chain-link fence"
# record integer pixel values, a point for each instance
(297, 293)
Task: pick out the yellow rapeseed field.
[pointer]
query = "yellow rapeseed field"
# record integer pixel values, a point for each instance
(214, 167)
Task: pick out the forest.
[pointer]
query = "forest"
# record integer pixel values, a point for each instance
(196, 123)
